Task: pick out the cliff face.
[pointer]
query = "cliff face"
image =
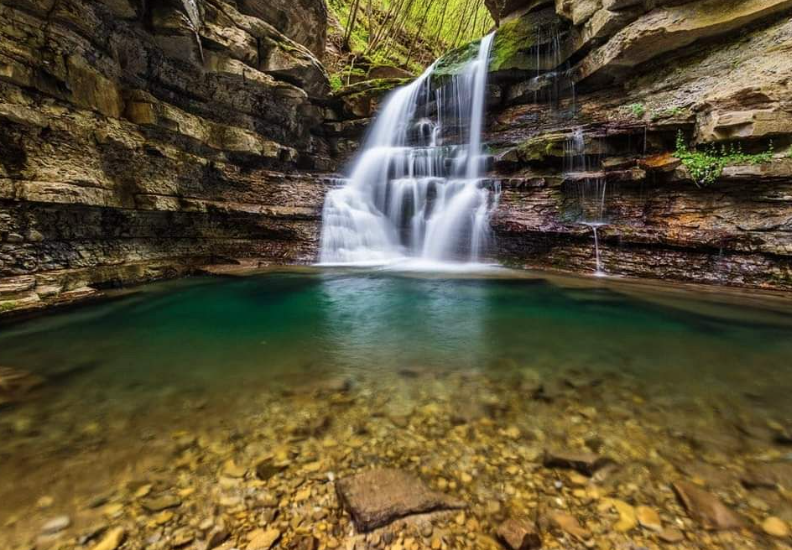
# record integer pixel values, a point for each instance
(597, 95)
(141, 139)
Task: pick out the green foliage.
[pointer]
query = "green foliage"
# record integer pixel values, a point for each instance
(638, 110)
(789, 152)
(407, 33)
(336, 83)
(707, 166)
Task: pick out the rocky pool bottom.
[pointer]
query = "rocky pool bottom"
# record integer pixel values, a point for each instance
(343, 409)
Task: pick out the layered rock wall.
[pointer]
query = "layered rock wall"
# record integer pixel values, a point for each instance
(596, 95)
(140, 139)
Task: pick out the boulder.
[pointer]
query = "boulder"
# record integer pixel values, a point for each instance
(376, 498)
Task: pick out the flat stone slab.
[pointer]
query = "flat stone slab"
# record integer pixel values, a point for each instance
(706, 508)
(378, 497)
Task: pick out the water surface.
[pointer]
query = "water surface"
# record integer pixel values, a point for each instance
(200, 354)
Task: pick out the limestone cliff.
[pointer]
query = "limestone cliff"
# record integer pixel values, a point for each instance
(628, 79)
(141, 139)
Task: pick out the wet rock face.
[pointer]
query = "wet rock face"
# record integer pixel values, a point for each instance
(628, 78)
(142, 140)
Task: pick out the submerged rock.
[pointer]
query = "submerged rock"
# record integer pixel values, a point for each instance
(263, 540)
(56, 525)
(519, 534)
(706, 508)
(585, 463)
(111, 540)
(568, 524)
(775, 527)
(378, 497)
(161, 503)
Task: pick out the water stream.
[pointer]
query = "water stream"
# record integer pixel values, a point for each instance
(591, 189)
(415, 190)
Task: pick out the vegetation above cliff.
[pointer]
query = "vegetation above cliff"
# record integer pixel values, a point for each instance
(398, 34)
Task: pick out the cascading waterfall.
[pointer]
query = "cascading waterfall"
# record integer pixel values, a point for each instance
(416, 189)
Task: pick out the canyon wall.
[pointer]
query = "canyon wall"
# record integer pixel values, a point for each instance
(595, 96)
(140, 140)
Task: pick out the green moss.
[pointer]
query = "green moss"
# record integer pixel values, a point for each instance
(336, 83)
(514, 47)
(8, 306)
(707, 166)
(453, 62)
(638, 110)
(376, 86)
(538, 149)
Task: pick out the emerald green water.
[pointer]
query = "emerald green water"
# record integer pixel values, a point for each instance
(209, 331)
(206, 351)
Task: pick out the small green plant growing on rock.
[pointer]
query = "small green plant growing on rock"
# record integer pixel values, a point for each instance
(707, 166)
(336, 83)
(638, 110)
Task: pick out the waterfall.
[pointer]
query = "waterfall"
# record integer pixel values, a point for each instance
(591, 189)
(416, 189)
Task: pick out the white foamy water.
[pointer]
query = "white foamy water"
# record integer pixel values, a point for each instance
(416, 189)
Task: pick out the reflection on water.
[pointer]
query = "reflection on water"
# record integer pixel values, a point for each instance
(234, 358)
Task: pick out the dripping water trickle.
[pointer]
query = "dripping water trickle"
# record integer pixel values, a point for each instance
(591, 188)
(416, 189)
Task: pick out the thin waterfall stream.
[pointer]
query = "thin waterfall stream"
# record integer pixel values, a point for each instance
(591, 188)
(415, 191)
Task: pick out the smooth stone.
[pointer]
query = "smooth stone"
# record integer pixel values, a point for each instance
(648, 518)
(111, 540)
(519, 534)
(569, 524)
(232, 470)
(706, 508)
(628, 519)
(775, 527)
(161, 503)
(375, 498)
(56, 525)
(182, 537)
(264, 540)
(671, 535)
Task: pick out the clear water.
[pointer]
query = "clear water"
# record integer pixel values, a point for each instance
(204, 352)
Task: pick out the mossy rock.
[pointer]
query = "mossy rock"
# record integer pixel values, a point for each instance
(540, 148)
(377, 86)
(515, 43)
(452, 63)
